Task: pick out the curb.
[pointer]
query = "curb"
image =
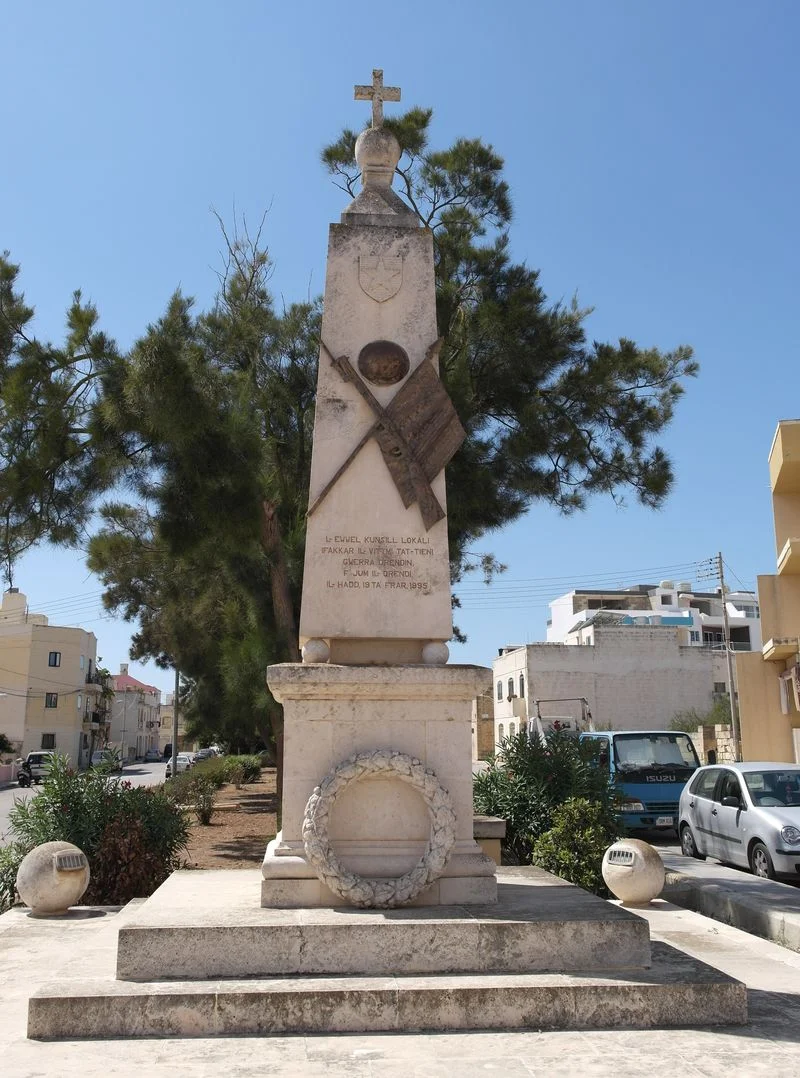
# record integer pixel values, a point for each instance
(726, 902)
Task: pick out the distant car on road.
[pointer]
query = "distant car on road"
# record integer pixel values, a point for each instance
(152, 756)
(745, 814)
(203, 754)
(183, 762)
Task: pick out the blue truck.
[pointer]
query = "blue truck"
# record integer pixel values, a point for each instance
(649, 768)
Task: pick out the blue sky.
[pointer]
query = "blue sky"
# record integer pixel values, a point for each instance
(653, 158)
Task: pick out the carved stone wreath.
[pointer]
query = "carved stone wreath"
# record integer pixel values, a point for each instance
(379, 893)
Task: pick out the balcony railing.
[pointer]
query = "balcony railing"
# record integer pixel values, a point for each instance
(719, 645)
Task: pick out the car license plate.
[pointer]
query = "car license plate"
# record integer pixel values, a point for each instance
(663, 821)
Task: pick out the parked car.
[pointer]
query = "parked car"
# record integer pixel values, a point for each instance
(108, 758)
(745, 814)
(203, 754)
(38, 764)
(152, 756)
(183, 763)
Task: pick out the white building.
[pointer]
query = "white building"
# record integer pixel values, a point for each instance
(633, 656)
(697, 615)
(135, 715)
(629, 677)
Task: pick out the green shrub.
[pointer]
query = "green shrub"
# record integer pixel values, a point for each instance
(530, 778)
(132, 835)
(250, 767)
(242, 769)
(203, 793)
(573, 848)
(215, 770)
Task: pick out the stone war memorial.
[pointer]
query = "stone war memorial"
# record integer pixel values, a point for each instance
(375, 909)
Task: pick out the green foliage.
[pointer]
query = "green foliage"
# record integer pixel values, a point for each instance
(529, 779)
(719, 714)
(10, 859)
(53, 449)
(573, 848)
(246, 769)
(132, 836)
(204, 793)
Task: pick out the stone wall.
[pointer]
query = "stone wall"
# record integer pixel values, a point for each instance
(716, 740)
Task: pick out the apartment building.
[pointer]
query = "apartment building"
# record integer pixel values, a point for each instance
(50, 691)
(696, 615)
(135, 715)
(769, 680)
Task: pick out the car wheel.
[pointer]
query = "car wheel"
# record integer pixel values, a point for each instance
(761, 862)
(688, 845)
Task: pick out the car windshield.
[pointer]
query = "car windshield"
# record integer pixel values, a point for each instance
(774, 789)
(659, 752)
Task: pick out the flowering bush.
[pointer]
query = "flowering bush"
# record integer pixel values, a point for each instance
(132, 835)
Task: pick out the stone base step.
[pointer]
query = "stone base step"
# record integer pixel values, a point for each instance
(677, 991)
(202, 925)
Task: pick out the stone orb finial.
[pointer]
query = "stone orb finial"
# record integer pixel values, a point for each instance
(316, 650)
(435, 653)
(633, 871)
(377, 154)
(52, 878)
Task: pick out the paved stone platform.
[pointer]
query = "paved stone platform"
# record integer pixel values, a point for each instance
(35, 952)
(677, 991)
(211, 926)
(592, 957)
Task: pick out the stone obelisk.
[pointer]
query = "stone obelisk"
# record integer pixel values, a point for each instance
(377, 749)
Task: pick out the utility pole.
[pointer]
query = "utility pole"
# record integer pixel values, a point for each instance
(737, 744)
(174, 766)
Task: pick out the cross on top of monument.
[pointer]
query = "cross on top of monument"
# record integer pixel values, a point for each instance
(377, 93)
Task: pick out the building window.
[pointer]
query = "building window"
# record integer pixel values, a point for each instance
(511, 729)
(50, 700)
(83, 661)
(48, 741)
(522, 686)
(54, 658)
(499, 690)
(720, 687)
(80, 701)
(511, 686)
(500, 731)
(694, 636)
(666, 600)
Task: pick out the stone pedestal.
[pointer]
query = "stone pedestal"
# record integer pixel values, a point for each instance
(379, 826)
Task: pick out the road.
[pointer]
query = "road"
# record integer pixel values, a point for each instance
(138, 774)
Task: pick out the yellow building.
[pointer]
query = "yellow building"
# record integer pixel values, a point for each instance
(50, 694)
(769, 681)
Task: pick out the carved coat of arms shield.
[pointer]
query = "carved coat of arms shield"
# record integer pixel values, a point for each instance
(380, 276)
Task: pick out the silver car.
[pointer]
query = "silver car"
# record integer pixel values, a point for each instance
(744, 814)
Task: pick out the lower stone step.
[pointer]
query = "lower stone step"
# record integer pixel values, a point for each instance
(677, 991)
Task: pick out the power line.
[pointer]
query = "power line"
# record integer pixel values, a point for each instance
(586, 580)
